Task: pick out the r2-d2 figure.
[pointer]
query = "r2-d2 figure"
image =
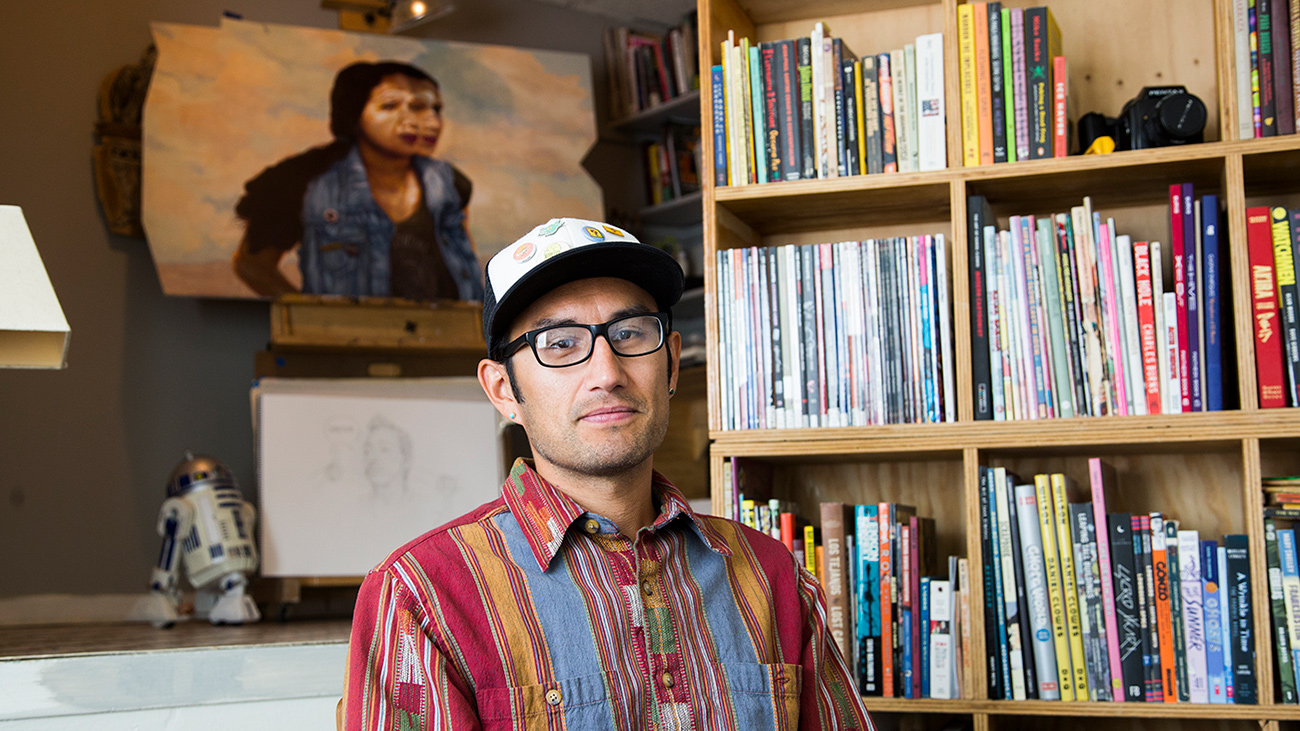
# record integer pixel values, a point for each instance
(206, 523)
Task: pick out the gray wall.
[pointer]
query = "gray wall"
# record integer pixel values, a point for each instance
(85, 452)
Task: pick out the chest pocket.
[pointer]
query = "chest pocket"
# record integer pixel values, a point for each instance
(763, 696)
(334, 257)
(579, 702)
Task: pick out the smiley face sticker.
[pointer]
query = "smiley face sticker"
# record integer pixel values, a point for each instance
(524, 252)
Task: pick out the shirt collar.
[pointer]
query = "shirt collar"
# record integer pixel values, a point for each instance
(545, 513)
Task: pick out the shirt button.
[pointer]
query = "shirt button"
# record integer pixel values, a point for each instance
(647, 588)
(668, 680)
(592, 526)
(553, 697)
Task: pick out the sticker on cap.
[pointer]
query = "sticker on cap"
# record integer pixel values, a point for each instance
(524, 251)
(613, 230)
(555, 248)
(593, 233)
(550, 228)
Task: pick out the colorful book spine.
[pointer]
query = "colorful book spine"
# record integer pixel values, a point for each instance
(1019, 83)
(997, 84)
(868, 587)
(1218, 690)
(1211, 281)
(1036, 591)
(1174, 562)
(1280, 612)
(1102, 483)
(888, 138)
(1091, 627)
(717, 88)
(1265, 313)
(1194, 630)
(1179, 253)
(994, 648)
(1060, 124)
(970, 140)
(1061, 487)
(1192, 272)
(887, 599)
(1128, 621)
(1151, 637)
(1284, 268)
(1286, 545)
(1164, 618)
(983, 83)
(1055, 585)
(1008, 85)
(1008, 587)
(1240, 601)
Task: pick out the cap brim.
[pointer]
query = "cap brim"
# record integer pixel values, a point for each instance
(649, 268)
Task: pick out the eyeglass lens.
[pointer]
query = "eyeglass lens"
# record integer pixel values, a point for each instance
(629, 336)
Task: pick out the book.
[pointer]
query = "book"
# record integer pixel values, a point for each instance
(979, 213)
(1022, 600)
(1019, 84)
(931, 127)
(807, 129)
(1211, 291)
(1062, 488)
(1290, 575)
(1055, 586)
(1102, 482)
(1241, 632)
(888, 138)
(790, 133)
(717, 89)
(1128, 622)
(1280, 615)
(983, 84)
(1284, 268)
(970, 136)
(1173, 560)
(994, 642)
(1215, 667)
(1042, 44)
(1008, 84)
(1264, 58)
(867, 540)
(1036, 592)
(1178, 251)
(1241, 66)
(1192, 273)
(1194, 630)
(1009, 587)
(1147, 599)
(941, 648)
(835, 580)
(1164, 615)
(997, 83)
(1088, 582)
(1265, 312)
(1060, 121)
(1147, 335)
(871, 116)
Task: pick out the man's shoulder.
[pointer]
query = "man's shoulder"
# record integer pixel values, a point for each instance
(435, 546)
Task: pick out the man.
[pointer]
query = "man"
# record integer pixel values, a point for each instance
(589, 595)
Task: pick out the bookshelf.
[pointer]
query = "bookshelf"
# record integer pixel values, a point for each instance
(1202, 468)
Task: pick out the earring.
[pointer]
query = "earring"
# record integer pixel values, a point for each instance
(672, 392)
(512, 416)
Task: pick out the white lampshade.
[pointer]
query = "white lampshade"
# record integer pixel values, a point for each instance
(33, 331)
(408, 14)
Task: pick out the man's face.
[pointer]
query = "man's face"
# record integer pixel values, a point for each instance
(607, 415)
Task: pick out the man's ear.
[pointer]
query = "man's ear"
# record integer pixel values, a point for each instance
(674, 358)
(495, 381)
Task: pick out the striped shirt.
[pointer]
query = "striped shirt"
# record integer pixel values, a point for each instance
(530, 613)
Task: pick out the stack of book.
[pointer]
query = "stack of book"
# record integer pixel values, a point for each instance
(1272, 235)
(1013, 84)
(878, 567)
(1082, 604)
(673, 163)
(1071, 318)
(1266, 53)
(810, 108)
(1282, 509)
(842, 334)
(645, 70)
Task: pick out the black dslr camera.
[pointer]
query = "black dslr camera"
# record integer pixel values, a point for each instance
(1158, 116)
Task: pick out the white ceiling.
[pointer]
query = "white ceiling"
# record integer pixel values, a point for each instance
(632, 12)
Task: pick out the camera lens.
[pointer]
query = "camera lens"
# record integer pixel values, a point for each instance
(1181, 116)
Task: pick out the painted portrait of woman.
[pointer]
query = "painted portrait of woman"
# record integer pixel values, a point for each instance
(372, 213)
(278, 159)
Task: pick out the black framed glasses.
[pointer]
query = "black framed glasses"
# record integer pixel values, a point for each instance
(559, 346)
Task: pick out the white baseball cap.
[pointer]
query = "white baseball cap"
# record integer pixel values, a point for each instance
(564, 250)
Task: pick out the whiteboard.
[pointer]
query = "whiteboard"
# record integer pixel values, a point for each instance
(350, 470)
